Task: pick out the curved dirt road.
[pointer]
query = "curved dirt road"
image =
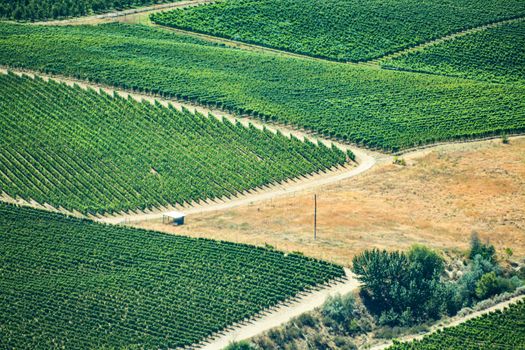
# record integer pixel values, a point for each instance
(281, 314)
(366, 159)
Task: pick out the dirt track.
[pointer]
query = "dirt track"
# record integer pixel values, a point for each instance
(282, 314)
(365, 159)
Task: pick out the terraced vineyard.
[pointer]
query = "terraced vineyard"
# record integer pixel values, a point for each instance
(376, 108)
(494, 54)
(499, 330)
(342, 30)
(71, 283)
(45, 9)
(95, 153)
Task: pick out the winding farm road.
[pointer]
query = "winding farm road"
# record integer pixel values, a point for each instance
(280, 314)
(365, 159)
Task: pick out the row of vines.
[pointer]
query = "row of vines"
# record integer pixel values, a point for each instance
(340, 30)
(75, 284)
(380, 109)
(494, 54)
(33, 10)
(499, 330)
(92, 152)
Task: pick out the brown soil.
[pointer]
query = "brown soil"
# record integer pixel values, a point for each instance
(438, 199)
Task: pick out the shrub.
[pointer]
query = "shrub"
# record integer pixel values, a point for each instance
(486, 251)
(306, 320)
(344, 343)
(242, 345)
(399, 161)
(339, 308)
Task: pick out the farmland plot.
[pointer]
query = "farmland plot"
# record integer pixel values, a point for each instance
(341, 30)
(376, 108)
(494, 54)
(96, 153)
(46, 9)
(493, 331)
(72, 283)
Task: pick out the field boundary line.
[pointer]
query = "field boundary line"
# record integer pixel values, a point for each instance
(280, 313)
(378, 61)
(375, 62)
(114, 15)
(241, 44)
(452, 322)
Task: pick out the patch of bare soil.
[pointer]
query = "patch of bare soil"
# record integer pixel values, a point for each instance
(437, 199)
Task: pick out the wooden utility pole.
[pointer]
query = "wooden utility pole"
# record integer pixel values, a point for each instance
(315, 217)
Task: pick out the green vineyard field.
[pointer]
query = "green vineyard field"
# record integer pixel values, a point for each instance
(499, 330)
(381, 109)
(341, 30)
(95, 153)
(45, 9)
(495, 54)
(74, 284)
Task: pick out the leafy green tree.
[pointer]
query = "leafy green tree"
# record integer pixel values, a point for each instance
(402, 288)
(486, 251)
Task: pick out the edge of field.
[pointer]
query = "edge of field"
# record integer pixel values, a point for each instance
(451, 322)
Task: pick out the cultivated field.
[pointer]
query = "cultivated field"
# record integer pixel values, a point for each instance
(341, 30)
(438, 199)
(365, 105)
(95, 153)
(403, 118)
(81, 285)
(494, 331)
(495, 54)
(31, 10)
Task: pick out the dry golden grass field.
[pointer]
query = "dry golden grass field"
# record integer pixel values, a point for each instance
(439, 198)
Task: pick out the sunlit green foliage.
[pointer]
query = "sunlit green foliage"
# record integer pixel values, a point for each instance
(372, 107)
(46, 9)
(495, 54)
(342, 30)
(499, 330)
(96, 153)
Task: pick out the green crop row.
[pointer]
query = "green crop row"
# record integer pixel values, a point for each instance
(45, 9)
(95, 153)
(341, 30)
(382, 109)
(499, 330)
(494, 54)
(75, 284)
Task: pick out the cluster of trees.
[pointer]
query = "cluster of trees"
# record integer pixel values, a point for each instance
(401, 293)
(409, 288)
(45, 9)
